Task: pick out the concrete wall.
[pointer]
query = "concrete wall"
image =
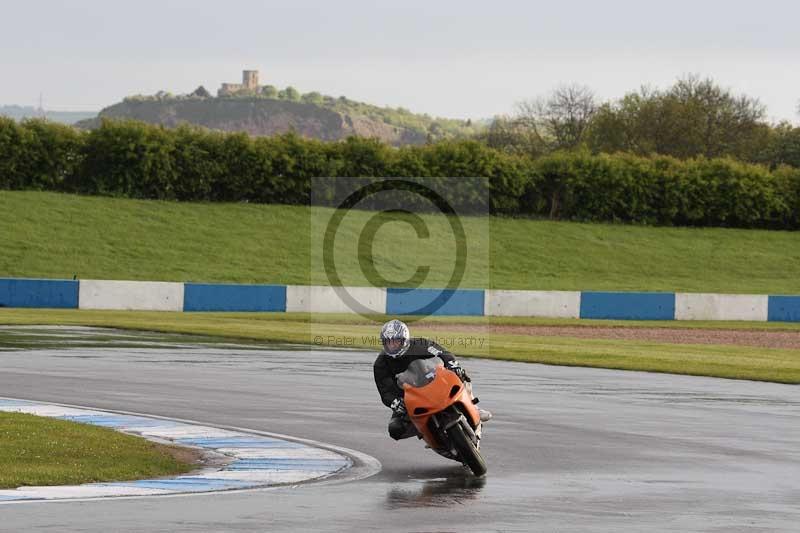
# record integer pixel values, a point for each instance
(131, 295)
(461, 302)
(697, 306)
(39, 293)
(320, 299)
(222, 297)
(553, 304)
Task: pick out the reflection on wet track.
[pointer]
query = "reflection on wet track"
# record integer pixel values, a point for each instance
(446, 491)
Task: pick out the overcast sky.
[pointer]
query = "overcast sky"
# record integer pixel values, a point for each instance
(447, 58)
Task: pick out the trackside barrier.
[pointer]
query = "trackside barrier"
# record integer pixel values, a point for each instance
(39, 293)
(453, 302)
(321, 299)
(628, 305)
(784, 309)
(548, 304)
(163, 296)
(721, 307)
(131, 295)
(208, 297)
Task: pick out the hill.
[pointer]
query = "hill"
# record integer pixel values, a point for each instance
(312, 115)
(58, 235)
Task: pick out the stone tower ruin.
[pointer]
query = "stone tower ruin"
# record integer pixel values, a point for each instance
(250, 79)
(249, 84)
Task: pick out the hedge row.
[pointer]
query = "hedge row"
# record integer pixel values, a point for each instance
(136, 160)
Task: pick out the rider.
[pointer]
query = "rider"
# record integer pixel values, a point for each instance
(399, 350)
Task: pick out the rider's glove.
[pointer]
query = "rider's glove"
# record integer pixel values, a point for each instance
(398, 406)
(460, 372)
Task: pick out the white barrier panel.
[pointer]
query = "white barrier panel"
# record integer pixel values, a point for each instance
(553, 304)
(318, 299)
(130, 295)
(721, 307)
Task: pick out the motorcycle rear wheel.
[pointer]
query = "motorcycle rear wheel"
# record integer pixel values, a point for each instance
(467, 452)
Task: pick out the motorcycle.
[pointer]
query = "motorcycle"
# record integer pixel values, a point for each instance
(443, 412)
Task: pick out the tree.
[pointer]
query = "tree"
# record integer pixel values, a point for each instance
(783, 148)
(721, 122)
(201, 92)
(289, 93)
(560, 120)
(694, 117)
(269, 91)
(313, 98)
(512, 136)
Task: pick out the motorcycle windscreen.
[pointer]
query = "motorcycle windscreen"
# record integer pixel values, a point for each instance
(420, 372)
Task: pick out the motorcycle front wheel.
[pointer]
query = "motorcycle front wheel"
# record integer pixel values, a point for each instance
(467, 452)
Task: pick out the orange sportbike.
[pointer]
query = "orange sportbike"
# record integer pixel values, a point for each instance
(443, 411)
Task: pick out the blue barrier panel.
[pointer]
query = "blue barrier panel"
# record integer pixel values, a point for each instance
(784, 309)
(42, 293)
(434, 302)
(628, 305)
(213, 297)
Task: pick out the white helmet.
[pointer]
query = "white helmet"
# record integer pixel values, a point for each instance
(395, 330)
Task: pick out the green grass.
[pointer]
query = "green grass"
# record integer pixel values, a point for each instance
(734, 362)
(46, 451)
(57, 236)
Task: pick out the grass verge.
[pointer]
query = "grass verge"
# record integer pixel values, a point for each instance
(46, 451)
(58, 235)
(736, 362)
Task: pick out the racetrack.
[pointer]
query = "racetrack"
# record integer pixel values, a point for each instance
(570, 449)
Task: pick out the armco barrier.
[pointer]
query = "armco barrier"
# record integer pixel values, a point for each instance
(784, 309)
(39, 293)
(628, 305)
(721, 307)
(321, 299)
(549, 304)
(221, 297)
(457, 302)
(162, 296)
(131, 295)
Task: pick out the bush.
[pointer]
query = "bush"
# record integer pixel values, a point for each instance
(37, 154)
(129, 159)
(136, 160)
(660, 190)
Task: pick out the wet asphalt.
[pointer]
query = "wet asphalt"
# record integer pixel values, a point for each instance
(570, 449)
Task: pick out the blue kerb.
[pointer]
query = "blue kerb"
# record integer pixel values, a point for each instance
(10, 498)
(784, 309)
(450, 302)
(628, 305)
(288, 461)
(223, 297)
(236, 442)
(188, 484)
(15, 403)
(117, 421)
(288, 464)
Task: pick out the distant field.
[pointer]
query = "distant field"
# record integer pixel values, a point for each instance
(60, 236)
(65, 117)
